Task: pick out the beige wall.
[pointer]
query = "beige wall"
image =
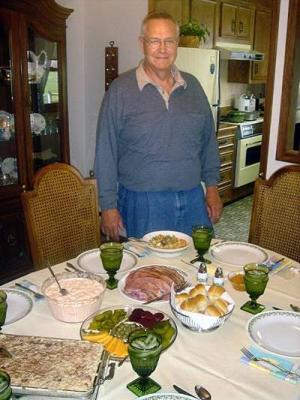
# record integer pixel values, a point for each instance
(92, 25)
(90, 28)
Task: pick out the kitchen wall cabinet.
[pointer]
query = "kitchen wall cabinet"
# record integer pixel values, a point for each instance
(226, 137)
(262, 34)
(33, 113)
(179, 9)
(203, 11)
(254, 72)
(235, 22)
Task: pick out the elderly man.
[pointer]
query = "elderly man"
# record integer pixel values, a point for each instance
(156, 143)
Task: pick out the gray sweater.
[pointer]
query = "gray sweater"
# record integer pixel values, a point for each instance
(147, 147)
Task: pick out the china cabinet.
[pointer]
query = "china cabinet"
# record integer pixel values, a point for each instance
(33, 112)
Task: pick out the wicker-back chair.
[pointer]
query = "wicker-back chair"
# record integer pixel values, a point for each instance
(275, 220)
(61, 214)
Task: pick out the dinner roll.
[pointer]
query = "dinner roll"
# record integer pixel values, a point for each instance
(201, 302)
(222, 305)
(212, 311)
(198, 289)
(190, 305)
(180, 297)
(214, 292)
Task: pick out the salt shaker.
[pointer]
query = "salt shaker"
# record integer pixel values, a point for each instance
(202, 273)
(219, 277)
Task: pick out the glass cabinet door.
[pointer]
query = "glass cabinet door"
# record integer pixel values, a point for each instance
(8, 149)
(45, 119)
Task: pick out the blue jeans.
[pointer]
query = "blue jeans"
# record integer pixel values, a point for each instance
(144, 212)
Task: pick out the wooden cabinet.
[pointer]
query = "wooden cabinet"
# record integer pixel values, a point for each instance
(33, 113)
(254, 71)
(262, 34)
(235, 22)
(226, 137)
(179, 9)
(202, 11)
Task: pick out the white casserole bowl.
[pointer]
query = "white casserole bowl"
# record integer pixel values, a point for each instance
(167, 252)
(85, 295)
(197, 321)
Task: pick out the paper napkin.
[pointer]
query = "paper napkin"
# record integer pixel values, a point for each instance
(282, 362)
(276, 264)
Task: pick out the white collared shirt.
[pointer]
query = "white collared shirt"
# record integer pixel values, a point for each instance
(143, 79)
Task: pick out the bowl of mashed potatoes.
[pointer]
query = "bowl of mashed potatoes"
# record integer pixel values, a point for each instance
(84, 297)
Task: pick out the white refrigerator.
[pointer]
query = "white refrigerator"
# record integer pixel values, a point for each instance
(204, 65)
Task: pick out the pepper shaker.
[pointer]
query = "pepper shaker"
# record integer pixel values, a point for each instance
(219, 277)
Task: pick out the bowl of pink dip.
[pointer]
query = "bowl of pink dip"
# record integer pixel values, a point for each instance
(85, 295)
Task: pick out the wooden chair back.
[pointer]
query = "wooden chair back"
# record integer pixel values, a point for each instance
(61, 214)
(275, 220)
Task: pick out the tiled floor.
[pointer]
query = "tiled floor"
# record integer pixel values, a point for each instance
(235, 221)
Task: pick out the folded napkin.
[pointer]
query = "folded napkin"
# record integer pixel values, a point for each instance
(282, 362)
(276, 264)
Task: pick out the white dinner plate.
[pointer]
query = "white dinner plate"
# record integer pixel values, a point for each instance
(167, 252)
(9, 167)
(277, 332)
(37, 123)
(122, 281)
(90, 261)
(19, 304)
(238, 253)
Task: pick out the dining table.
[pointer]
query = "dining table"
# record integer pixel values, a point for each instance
(211, 359)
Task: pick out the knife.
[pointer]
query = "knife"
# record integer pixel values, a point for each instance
(182, 391)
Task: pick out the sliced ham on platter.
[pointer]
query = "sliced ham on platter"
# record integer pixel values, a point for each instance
(153, 281)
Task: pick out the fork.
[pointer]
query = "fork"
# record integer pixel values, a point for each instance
(178, 289)
(36, 294)
(252, 357)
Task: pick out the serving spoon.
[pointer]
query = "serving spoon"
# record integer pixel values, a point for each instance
(62, 291)
(202, 393)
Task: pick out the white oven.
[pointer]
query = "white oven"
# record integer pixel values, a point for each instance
(247, 160)
(249, 138)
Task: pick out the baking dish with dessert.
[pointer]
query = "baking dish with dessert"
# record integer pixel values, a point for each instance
(202, 308)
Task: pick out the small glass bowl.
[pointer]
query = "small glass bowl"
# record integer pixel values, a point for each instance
(237, 280)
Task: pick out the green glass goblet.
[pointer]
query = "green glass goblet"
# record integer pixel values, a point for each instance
(144, 348)
(111, 256)
(202, 236)
(3, 307)
(256, 279)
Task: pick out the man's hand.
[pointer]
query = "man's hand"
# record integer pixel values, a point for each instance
(111, 223)
(214, 203)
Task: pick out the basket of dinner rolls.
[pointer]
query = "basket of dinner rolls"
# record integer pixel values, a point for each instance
(202, 308)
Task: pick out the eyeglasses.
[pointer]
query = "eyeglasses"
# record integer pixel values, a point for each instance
(156, 43)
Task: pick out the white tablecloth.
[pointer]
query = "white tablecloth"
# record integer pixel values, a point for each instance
(211, 359)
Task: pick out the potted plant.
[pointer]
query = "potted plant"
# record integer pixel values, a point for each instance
(192, 33)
